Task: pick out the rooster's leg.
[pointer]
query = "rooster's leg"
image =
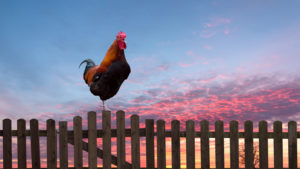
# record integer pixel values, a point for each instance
(103, 106)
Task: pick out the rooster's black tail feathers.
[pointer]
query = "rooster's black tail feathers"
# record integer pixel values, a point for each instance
(89, 64)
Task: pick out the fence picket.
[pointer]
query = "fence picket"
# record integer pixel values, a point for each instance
(7, 144)
(278, 155)
(219, 142)
(150, 143)
(175, 127)
(121, 139)
(161, 144)
(35, 144)
(205, 162)
(63, 145)
(248, 125)
(106, 126)
(135, 141)
(234, 145)
(77, 125)
(263, 145)
(190, 144)
(21, 125)
(92, 132)
(292, 132)
(51, 145)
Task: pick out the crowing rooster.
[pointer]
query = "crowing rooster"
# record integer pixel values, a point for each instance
(105, 79)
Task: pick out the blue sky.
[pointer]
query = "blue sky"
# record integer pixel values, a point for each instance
(173, 46)
(215, 60)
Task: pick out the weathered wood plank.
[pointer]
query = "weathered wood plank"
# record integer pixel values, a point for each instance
(161, 144)
(106, 126)
(292, 129)
(219, 142)
(7, 144)
(121, 139)
(278, 154)
(135, 141)
(114, 159)
(234, 145)
(150, 143)
(175, 127)
(35, 144)
(263, 145)
(21, 125)
(205, 162)
(63, 145)
(77, 125)
(92, 143)
(248, 125)
(43, 133)
(190, 144)
(51, 145)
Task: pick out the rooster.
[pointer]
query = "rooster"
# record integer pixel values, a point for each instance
(106, 79)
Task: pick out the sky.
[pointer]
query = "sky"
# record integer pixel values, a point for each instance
(214, 60)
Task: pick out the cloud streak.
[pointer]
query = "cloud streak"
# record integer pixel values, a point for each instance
(215, 26)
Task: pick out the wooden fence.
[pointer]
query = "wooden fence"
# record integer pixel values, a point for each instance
(75, 138)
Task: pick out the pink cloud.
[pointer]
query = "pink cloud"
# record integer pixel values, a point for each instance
(229, 101)
(190, 52)
(186, 64)
(208, 47)
(226, 31)
(162, 67)
(214, 26)
(216, 22)
(207, 33)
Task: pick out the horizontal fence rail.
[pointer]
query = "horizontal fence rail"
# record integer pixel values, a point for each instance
(75, 138)
(142, 133)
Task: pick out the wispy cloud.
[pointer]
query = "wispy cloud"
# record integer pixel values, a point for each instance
(208, 47)
(215, 25)
(207, 33)
(226, 31)
(217, 21)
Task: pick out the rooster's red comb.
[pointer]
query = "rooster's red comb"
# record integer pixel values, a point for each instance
(121, 35)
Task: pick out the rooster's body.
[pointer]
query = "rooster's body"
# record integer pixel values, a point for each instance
(105, 79)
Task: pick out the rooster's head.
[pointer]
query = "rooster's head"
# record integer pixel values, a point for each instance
(121, 40)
